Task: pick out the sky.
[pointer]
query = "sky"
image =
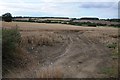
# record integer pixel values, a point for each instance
(61, 8)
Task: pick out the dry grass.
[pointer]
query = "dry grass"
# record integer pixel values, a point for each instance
(41, 38)
(21, 60)
(50, 72)
(44, 26)
(33, 35)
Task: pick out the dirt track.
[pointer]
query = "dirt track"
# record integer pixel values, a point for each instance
(80, 54)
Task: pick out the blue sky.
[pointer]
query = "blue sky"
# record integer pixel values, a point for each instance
(61, 8)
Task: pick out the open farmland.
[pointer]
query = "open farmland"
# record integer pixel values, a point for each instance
(66, 51)
(45, 26)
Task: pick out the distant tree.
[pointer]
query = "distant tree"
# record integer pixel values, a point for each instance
(89, 18)
(7, 17)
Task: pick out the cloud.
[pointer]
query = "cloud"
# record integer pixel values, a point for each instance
(46, 8)
(56, 1)
(99, 5)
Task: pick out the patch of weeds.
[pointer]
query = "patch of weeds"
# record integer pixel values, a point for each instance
(10, 40)
(109, 71)
(112, 45)
(115, 55)
(0, 35)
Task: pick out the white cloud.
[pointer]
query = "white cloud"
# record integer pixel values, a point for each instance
(52, 7)
(35, 1)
